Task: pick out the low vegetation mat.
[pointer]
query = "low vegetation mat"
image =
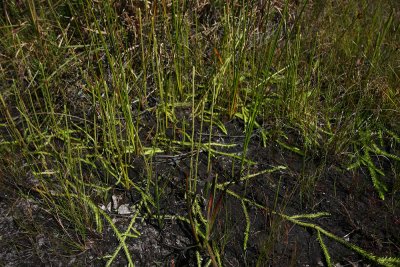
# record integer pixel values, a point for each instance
(199, 133)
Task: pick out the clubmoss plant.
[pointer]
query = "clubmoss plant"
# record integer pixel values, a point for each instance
(95, 93)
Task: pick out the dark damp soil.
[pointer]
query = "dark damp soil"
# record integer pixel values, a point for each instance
(31, 236)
